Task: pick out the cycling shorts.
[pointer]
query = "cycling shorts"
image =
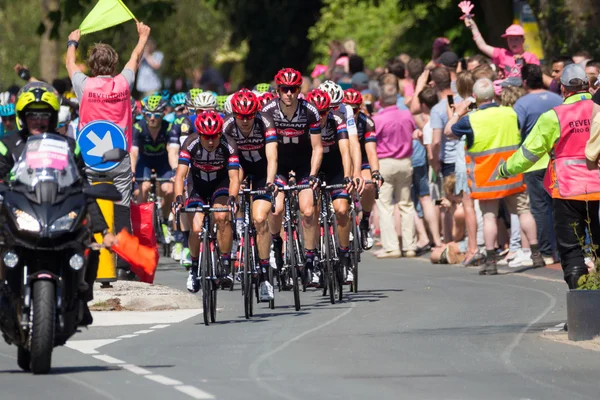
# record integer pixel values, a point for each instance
(333, 174)
(143, 169)
(202, 193)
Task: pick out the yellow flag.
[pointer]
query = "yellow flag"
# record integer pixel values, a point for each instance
(107, 13)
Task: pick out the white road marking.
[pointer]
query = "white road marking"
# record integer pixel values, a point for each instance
(143, 331)
(159, 326)
(126, 336)
(111, 318)
(89, 346)
(557, 328)
(194, 392)
(163, 380)
(135, 369)
(109, 359)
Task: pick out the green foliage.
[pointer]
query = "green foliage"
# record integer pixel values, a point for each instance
(590, 281)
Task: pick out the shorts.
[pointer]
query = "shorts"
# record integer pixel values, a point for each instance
(333, 174)
(447, 169)
(420, 180)
(201, 193)
(143, 169)
(302, 173)
(517, 203)
(259, 181)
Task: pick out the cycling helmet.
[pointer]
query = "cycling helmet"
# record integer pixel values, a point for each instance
(288, 77)
(263, 87)
(7, 110)
(154, 103)
(38, 96)
(209, 123)
(64, 116)
(320, 99)
(221, 102)
(265, 98)
(205, 100)
(244, 102)
(165, 94)
(257, 93)
(353, 98)
(178, 99)
(335, 92)
(191, 95)
(227, 106)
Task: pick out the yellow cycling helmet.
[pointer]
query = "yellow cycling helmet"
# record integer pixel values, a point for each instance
(38, 96)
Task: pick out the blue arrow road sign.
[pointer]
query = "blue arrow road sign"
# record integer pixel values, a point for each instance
(95, 139)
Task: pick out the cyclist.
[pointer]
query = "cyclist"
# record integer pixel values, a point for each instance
(337, 96)
(213, 162)
(154, 147)
(298, 128)
(369, 164)
(256, 141)
(227, 106)
(9, 120)
(263, 88)
(265, 98)
(336, 168)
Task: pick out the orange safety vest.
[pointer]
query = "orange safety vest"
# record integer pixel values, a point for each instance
(496, 137)
(567, 176)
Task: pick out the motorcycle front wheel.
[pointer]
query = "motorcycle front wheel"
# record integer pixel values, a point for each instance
(42, 330)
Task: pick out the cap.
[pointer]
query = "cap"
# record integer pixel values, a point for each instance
(448, 59)
(512, 81)
(360, 79)
(514, 30)
(573, 75)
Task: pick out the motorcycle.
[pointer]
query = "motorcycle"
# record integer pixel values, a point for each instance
(44, 240)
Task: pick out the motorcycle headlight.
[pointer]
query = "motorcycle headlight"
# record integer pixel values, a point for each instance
(64, 223)
(25, 221)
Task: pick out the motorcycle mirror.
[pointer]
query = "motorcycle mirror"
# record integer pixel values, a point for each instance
(114, 155)
(102, 191)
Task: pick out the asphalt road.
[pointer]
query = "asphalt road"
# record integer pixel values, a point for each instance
(414, 331)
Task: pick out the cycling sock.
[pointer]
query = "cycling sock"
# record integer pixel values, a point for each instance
(264, 268)
(178, 235)
(344, 250)
(195, 264)
(186, 237)
(310, 254)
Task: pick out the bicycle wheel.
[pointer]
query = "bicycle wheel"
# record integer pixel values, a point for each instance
(293, 266)
(270, 277)
(329, 273)
(246, 276)
(205, 281)
(355, 248)
(339, 268)
(213, 283)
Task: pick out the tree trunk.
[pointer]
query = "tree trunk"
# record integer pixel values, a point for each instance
(498, 15)
(49, 50)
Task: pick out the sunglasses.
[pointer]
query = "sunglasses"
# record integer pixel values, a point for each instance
(323, 113)
(246, 117)
(155, 115)
(180, 108)
(9, 118)
(289, 89)
(38, 115)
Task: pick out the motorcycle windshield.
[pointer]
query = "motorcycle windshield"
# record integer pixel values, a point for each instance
(46, 158)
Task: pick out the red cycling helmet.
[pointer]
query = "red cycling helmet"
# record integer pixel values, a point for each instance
(209, 123)
(265, 98)
(244, 102)
(352, 97)
(288, 77)
(320, 99)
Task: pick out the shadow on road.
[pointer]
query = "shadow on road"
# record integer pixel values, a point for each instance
(68, 370)
(481, 330)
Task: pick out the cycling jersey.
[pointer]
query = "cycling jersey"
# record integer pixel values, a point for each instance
(209, 170)
(332, 167)
(366, 134)
(348, 114)
(182, 127)
(153, 148)
(293, 136)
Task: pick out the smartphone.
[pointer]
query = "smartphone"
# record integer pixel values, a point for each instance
(473, 106)
(450, 100)
(438, 202)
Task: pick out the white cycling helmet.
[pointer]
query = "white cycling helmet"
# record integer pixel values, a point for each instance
(334, 90)
(227, 105)
(205, 101)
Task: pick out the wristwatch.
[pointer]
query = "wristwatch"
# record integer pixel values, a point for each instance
(73, 43)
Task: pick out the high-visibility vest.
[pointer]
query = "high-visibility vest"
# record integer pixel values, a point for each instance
(567, 176)
(496, 137)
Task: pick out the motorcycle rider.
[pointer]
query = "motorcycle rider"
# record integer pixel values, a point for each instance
(37, 111)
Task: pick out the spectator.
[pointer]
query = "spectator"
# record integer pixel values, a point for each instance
(582, 57)
(510, 60)
(443, 149)
(148, 79)
(360, 81)
(405, 87)
(449, 60)
(349, 46)
(592, 70)
(211, 79)
(483, 71)
(440, 46)
(96, 94)
(356, 64)
(492, 134)
(558, 64)
(529, 108)
(477, 60)
(394, 129)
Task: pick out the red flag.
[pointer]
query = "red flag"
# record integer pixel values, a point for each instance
(143, 259)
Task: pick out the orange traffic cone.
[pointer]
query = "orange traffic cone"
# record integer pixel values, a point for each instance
(143, 260)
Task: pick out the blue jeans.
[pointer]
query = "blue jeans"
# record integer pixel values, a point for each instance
(541, 208)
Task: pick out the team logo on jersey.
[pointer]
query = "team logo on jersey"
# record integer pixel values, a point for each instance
(250, 147)
(208, 167)
(328, 143)
(184, 155)
(185, 128)
(154, 149)
(291, 132)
